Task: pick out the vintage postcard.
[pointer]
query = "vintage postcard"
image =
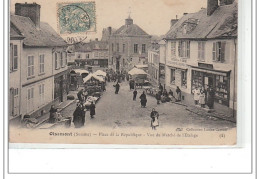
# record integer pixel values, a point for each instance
(141, 72)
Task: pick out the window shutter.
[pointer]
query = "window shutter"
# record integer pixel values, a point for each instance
(223, 47)
(214, 51)
(199, 49)
(179, 49)
(11, 57)
(203, 50)
(227, 52)
(188, 49)
(15, 58)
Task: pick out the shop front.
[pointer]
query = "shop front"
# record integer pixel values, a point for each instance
(210, 78)
(61, 86)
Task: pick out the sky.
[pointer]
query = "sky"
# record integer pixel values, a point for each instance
(153, 16)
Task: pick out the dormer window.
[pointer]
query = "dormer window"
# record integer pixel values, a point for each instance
(189, 25)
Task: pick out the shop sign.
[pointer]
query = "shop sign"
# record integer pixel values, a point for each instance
(176, 64)
(205, 65)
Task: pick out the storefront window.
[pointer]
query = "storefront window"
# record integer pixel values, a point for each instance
(222, 87)
(197, 79)
(172, 76)
(184, 78)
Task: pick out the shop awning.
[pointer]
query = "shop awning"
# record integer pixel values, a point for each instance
(212, 71)
(80, 71)
(137, 71)
(91, 75)
(100, 73)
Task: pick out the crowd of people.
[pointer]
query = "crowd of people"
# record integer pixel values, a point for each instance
(202, 97)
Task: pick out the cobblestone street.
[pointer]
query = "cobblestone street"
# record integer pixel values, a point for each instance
(119, 111)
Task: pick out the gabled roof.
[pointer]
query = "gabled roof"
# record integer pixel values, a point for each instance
(222, 23)
(88, 47)
(130, 30)
(14, 33)
(46, 36)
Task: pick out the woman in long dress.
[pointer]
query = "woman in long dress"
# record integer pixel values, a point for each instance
(202, 98)
(92, 109)
(143, 100)
(178, 92)
(78, 117)
(154, 122)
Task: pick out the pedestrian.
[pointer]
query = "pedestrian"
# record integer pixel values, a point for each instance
(196, 95)
(117, 87)
(155, 119)
(134, 95)
(165, 93)
(78, 116)
(80, 95)
(178, 93)
(83, 113)
(210, 98)
(143, 100)
(53, 114)
(130, 85)
(92, 109)
(170, 93)
(158, 97)
(161, 88)
(202, 98)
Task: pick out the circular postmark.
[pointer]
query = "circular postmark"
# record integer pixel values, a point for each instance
(75, 21)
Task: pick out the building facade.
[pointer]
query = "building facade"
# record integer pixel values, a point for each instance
(153, 66)
(16, 42)
(203, 56)
(128, 46)
(93, 54)
(162, 62)
(37, 53)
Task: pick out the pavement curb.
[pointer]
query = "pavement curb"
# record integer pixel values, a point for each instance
(210, 115)
(45, 119)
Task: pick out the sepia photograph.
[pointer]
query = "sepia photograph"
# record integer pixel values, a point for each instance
(128, 72)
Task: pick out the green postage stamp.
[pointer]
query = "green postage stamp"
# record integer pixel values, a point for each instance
(76, 17)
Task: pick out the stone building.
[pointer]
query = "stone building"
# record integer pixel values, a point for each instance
(92, 55)
(201, 51)
(128, 46)
(41, 61)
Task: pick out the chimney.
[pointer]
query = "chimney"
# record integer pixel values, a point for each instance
(173, 21)
(129, 21)
(212, 6)
(29, 10)
(109, 30)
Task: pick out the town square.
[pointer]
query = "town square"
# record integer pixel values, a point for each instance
(184, 78)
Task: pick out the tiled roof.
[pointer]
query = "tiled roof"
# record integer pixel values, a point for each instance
(222, 23)
(130, 30)
(88, 47)
(43, 37)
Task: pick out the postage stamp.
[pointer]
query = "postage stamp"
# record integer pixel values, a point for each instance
(76, 17)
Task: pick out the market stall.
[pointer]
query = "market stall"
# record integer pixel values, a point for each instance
(139, 76)
(76, 78)
(94, 86)
(101, 74)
